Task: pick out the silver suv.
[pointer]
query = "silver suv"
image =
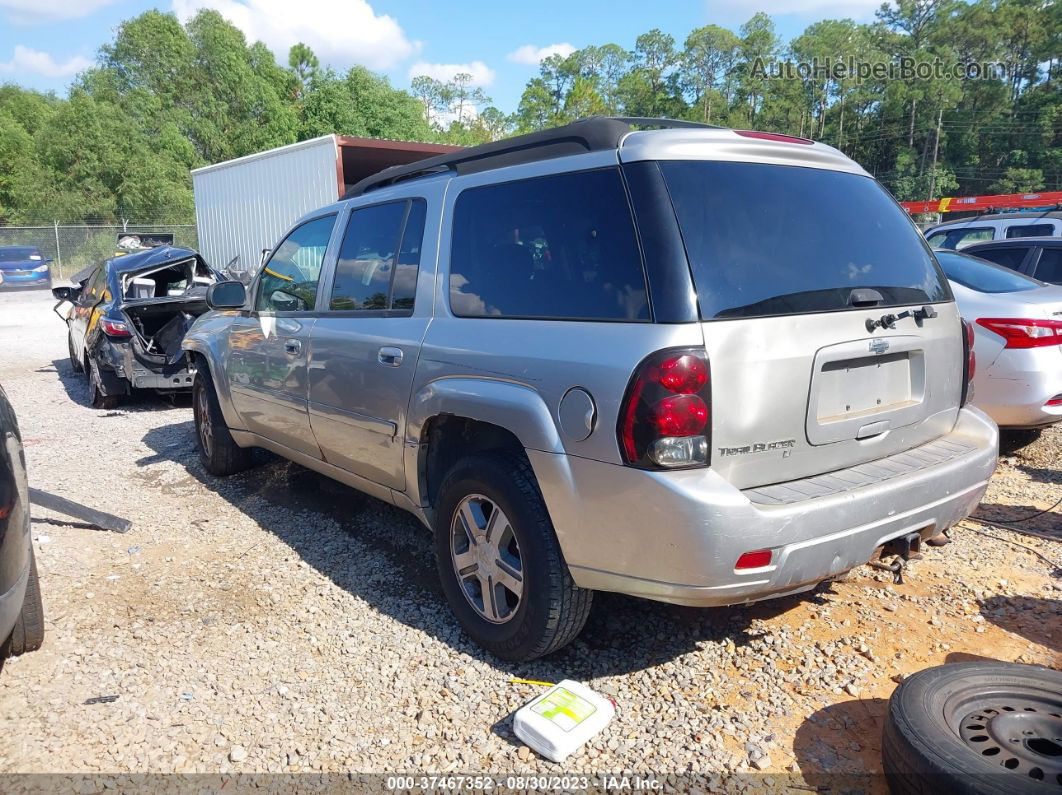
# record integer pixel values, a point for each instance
(697, 365)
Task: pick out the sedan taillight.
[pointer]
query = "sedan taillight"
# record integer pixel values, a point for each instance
(114, 328)
(665, 418)
(1024, 332)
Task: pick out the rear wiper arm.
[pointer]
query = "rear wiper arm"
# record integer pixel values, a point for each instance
(889, 321)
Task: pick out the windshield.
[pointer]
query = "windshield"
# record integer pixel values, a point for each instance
(982, 276)
(18, 253)
(777, 240)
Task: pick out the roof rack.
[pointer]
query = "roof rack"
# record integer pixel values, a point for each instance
(595, 134)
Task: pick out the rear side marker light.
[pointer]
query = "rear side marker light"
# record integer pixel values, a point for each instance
(1024, 332)
(756, 559)
(969, 362)
(1055, 401)
(114, 328)
(767, 136)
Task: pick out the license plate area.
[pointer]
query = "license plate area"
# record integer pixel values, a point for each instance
(857, 393)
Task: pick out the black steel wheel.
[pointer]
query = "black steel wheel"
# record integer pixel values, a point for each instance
(983, 727)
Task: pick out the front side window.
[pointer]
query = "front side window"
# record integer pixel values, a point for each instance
(556, 247)
(1030, 230)
(380, 257)
(289, 279)
(1050, 267)
(769, 240)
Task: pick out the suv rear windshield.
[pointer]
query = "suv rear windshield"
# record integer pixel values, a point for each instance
(778, 240)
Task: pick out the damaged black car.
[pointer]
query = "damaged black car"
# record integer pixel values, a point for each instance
(126, 318)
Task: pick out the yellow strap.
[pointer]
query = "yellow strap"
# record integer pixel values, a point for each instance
(530, 682)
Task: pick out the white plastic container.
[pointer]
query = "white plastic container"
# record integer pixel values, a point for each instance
(562, 719)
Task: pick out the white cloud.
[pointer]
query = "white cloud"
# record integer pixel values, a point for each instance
(482, 75)
(33, 11)
(338, 32)
(30, 61)
(531, 55)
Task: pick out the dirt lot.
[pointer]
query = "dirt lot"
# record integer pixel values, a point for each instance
(277, 622)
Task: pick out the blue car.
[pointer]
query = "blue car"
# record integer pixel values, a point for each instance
(24, 266)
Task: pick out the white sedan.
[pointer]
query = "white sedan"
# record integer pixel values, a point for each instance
(1017, 324)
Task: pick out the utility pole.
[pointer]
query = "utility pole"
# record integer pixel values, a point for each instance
(936, 148)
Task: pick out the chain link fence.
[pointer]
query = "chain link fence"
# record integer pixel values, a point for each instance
(76, 246)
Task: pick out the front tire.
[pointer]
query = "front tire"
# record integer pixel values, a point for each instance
(218, 451)
(499, 561)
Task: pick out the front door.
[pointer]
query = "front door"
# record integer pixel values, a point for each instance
(269, 347)
(364, 346)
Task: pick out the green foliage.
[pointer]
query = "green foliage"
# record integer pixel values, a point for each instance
(997, 135)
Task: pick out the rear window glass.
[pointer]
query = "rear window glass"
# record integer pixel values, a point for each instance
(1007, 257)
(557, 247)
(984, 277)
(1030, 230)
(779, 240)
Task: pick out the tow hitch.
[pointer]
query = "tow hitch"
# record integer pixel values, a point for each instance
(901, 550)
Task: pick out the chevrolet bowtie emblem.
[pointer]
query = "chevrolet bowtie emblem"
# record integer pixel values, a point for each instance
(879, 346)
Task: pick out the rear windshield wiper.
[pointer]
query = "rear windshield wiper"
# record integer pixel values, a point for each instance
(889, 321)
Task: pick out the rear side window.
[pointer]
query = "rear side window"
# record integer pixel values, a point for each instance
(776, 240)
(556, 247)
(984, 277)
(1030, 230)
(380, 257)
(1050, 267)
(965, 236)
(1007, 257)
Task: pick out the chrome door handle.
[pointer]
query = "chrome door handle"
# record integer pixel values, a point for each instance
(293, 347)
(391, 357)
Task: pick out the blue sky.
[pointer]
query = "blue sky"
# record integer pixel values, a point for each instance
(43, 43)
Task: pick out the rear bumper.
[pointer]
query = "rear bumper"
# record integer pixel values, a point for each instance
(136, 371)
(675, 536)
(1013, 390)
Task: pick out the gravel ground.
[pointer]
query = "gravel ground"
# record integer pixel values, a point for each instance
(276, 621)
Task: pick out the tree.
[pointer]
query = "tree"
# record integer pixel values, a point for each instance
(709, 54)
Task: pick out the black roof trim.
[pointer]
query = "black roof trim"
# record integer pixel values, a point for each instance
(595, 134)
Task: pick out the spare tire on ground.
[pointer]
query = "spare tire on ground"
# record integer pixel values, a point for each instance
(980, 727)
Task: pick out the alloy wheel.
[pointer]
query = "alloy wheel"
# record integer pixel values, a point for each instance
(486, 558)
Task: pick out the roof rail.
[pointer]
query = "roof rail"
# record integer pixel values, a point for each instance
(595, 134)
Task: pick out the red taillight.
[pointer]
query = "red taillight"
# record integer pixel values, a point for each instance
(1055, 401)
(113, 328)
(1024, 332)
(664, 418)
(767, 136)
(756, 559)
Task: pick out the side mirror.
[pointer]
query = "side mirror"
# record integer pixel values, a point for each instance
(226, 295)
(66, 293)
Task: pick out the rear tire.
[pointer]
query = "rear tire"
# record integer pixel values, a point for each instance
(218, 451)
(97, 399)
(28, 634)
(550, 609)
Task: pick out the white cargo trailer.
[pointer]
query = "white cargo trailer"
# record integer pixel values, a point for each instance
(244, 205)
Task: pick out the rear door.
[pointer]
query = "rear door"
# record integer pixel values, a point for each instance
(796, 269)
(365, 343)
(269, 346)
(82, 317)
